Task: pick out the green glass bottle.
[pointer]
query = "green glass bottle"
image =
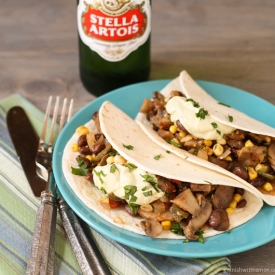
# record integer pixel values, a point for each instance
(114, 43)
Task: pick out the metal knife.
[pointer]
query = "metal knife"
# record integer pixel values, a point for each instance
(25, 141)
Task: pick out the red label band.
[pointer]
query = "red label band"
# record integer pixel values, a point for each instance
(122, 27)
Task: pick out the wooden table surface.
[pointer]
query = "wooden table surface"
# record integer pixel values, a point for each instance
(230, 42)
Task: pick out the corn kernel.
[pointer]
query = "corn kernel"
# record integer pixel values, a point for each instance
(207, 142)
(252, 173)
(89, 157)
(237, 197)
(210, 151)
(182, 134)
(119, 159)
(75, 147)
(229, 210)
(173, 129)
(267, 187)
(110, 160)
(221, 141)
(166, 225)
(217, 149)
(82, 130)
(233, 204)
(261, 167)
(228, 158)
(248, 144)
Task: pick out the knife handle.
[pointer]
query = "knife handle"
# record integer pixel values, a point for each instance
(88, 255)
(41, 260)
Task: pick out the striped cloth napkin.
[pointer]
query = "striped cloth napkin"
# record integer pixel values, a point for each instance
(18, 209)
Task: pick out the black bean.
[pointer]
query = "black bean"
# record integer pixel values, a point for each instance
(89, 177)
(240, 172)
(97, 136)
(84, 150)
(214, 219)
(97, 148)
(129, 211)
(241, 203)
(258, 182)
(239, 190)
(82, 141)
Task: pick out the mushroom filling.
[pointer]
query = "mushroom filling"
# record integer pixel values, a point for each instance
(161, 204)
(247, 155)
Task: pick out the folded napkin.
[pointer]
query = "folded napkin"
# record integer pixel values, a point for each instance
(18, 209)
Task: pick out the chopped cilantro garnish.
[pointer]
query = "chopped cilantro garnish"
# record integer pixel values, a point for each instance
(200, 234)
(246, 168)
(224, 104)
(202, 113)
(99, 174)
(157, 157)
(208, 182)
(172, 142)
(148, 193)
(168, 152)
(133, 207)
(129, 147)
(214, 124)
(186, 241)
(151, 180)
(133, 199)
(129, 190)
(112, 154)
(230, 118)
(130, 166)
(82, 170)
(219, 132)
(176, 228)
(195, 104)
(265, 151)
(113, 168)
(103, 190)
(228, 231)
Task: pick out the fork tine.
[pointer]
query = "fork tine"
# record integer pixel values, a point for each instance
(62, 118)
(55, 113)
(45, 125)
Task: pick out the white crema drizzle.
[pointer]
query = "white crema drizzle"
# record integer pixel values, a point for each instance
(185, 112)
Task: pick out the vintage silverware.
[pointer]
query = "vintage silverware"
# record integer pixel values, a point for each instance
(41, 259)
(89, 257)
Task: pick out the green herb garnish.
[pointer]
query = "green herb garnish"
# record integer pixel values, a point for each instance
(230, 118)
(195, 104)
(129, 147)
(133, 207)
(103, 190)
(168, 152)
(199, 233)
(112, 154)
(148, 193)
(176, 228)
(202, 113)
(129, 190)
(172, 142)
(219, 132)
(208, 182)
(99, 174)
(214, 124)
(157, 157)
(82, 170)
(151, 180)
(130, 166)
(197, 150)
(113, 168)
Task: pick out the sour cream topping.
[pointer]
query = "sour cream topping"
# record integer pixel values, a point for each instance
(127, 183)
(185, 111)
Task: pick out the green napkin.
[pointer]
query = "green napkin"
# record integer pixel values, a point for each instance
(18, 209)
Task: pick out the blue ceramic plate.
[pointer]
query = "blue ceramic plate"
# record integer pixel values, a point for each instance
(256, 232)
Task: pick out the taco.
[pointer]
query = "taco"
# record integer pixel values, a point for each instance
(128, 180)
(186, 120)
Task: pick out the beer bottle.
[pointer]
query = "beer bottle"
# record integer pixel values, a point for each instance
(114, 43)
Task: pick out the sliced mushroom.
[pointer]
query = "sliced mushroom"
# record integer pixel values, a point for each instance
(165, 216)
(152, 228)
(196, 223)
(202, 188)
(166, 185)
(271, 155)
(186, 201)
(251, 156)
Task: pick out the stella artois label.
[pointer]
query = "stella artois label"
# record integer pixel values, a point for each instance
(114, 28)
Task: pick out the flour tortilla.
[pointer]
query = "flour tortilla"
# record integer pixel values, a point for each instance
(120, 129)
(185, 84)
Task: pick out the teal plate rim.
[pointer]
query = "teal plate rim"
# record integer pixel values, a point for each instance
(256, 232)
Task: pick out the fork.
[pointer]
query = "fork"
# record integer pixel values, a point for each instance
(41, 260)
